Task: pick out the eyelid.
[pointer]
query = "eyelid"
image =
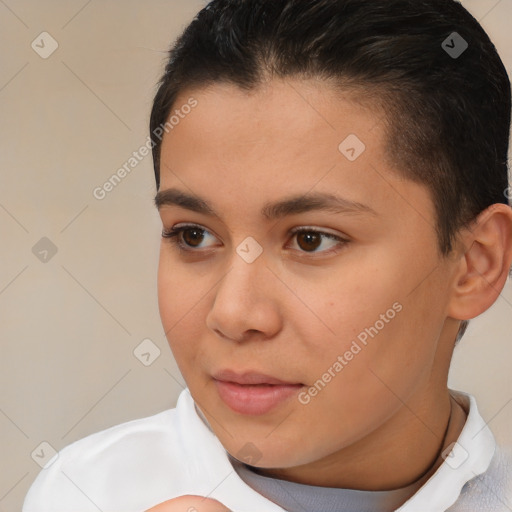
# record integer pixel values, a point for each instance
(177, 229)
(341, 239)
(173, 234)
(315, 229)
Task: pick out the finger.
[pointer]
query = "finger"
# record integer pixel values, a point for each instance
(189, 503)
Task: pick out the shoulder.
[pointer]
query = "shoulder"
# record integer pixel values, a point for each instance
(131, 436)
(492, 490)
(96, 470)
(499, 475)
(117, 436)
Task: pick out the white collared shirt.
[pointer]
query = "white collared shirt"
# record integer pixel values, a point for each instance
(135, 465)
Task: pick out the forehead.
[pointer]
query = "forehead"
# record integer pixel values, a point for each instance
(287, 137)
(279, 114)
(289, 129)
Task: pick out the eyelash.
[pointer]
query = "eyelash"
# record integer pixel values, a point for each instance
(172, 235)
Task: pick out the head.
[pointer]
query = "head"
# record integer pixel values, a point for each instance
(278, 103)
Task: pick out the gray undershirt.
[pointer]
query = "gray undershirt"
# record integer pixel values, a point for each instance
(295, 497)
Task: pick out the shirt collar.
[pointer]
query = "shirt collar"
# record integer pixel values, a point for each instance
(464, 459)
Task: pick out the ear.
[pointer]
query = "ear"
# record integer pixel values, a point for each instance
(484, 263)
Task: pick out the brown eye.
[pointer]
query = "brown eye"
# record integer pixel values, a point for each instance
(309, 240)
(193, 236)
(188, 237)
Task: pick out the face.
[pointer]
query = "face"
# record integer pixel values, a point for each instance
(296, 342)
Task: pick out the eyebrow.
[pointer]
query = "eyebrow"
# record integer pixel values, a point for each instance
(270, 211)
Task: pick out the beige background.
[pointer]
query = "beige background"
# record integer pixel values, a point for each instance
(69, 327)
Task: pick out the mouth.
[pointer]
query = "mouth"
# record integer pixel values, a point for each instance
(253, 393)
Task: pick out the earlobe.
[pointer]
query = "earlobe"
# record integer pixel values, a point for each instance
(484, 264)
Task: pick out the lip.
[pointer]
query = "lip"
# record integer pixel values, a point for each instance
(249, 377)
(253, 393)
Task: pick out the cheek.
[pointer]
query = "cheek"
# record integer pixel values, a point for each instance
(347, 308)
(179, 303)
(358, 383)
(371, 343)
(168, 285)
(179, 289)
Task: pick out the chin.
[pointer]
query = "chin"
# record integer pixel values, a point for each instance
(268, 454)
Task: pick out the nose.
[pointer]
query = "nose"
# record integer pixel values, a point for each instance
(246, 302)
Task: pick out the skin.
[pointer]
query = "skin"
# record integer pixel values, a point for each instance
(381, 423)
(189, 504)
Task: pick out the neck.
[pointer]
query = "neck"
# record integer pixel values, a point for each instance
(406, 450)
